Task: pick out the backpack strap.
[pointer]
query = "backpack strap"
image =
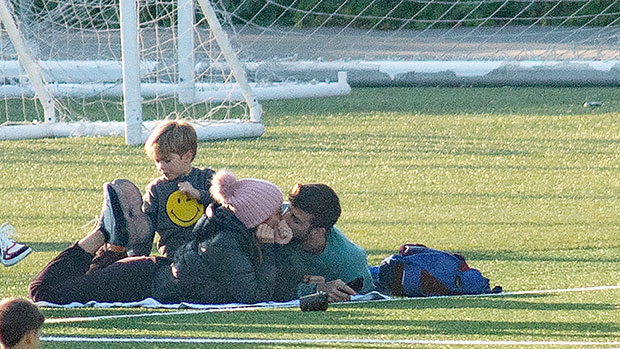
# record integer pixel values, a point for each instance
(431, 286)
(463, 266)
(396, 284)
(407, 249)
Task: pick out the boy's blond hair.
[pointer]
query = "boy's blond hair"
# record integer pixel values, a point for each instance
(171, 137)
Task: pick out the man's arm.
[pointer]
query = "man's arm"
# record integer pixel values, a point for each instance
(336, 290)
(342, 261)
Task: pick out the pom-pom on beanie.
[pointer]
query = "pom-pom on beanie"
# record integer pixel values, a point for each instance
(251, 200)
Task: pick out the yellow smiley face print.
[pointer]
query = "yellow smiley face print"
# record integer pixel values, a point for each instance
(183, 210)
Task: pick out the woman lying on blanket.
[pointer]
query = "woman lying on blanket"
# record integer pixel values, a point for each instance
(231, 258)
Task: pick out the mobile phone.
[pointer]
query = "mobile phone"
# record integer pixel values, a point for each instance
(356, 284)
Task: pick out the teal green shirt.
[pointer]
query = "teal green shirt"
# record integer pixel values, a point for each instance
(341, 259)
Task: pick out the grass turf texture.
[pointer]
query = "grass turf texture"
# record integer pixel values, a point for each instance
(525, 182)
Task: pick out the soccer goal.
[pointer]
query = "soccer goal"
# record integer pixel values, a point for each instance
(212, 61)
(118, 67)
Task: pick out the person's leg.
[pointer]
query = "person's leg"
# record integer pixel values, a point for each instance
(68, 265)
(126, 280)
(66, 278)
(106, 255)
(92, 241)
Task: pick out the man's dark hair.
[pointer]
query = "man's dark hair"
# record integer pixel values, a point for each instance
(319, 200)
(18, 317)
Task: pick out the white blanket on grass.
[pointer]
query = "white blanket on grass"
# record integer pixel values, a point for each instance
(152, 303)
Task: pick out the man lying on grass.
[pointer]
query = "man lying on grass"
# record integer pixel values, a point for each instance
(319, 257)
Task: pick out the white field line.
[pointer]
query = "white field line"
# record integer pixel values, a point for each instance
(323, 341)
(198, 311)
(126, 316)
(502, 294)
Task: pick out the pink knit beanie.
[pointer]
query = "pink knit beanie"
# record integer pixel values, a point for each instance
(251, 200)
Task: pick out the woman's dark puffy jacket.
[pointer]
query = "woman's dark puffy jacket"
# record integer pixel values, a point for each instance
(221, 265)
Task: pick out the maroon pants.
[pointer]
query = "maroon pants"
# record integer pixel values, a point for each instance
(75, 276)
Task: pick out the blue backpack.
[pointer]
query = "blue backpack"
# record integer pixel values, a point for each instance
(419, 271)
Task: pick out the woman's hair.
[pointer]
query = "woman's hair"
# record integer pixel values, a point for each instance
(18, 317)
(171, 137)
(319, 200)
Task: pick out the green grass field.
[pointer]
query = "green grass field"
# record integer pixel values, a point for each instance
(524, 182)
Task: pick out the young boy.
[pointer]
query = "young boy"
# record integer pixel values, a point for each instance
(11, 251)
(20, 321)
(175, 201)
(171, 206)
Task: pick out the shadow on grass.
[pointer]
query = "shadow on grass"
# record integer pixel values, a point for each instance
(41, 189)
(504, 195)
(360, 322)
(581, 255)
(56, 246)
(441, 101)
(134, 345)
(492, 302)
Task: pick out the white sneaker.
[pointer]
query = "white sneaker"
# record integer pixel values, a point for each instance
(11, 251)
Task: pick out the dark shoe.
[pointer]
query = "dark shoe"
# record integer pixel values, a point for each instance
(112, 221)
(133, 225)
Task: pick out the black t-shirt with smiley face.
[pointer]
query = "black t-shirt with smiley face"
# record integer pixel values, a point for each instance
(173, 214)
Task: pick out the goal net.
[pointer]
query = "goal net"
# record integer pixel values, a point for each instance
(289, 49)
(435, 42)
(118, 67)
